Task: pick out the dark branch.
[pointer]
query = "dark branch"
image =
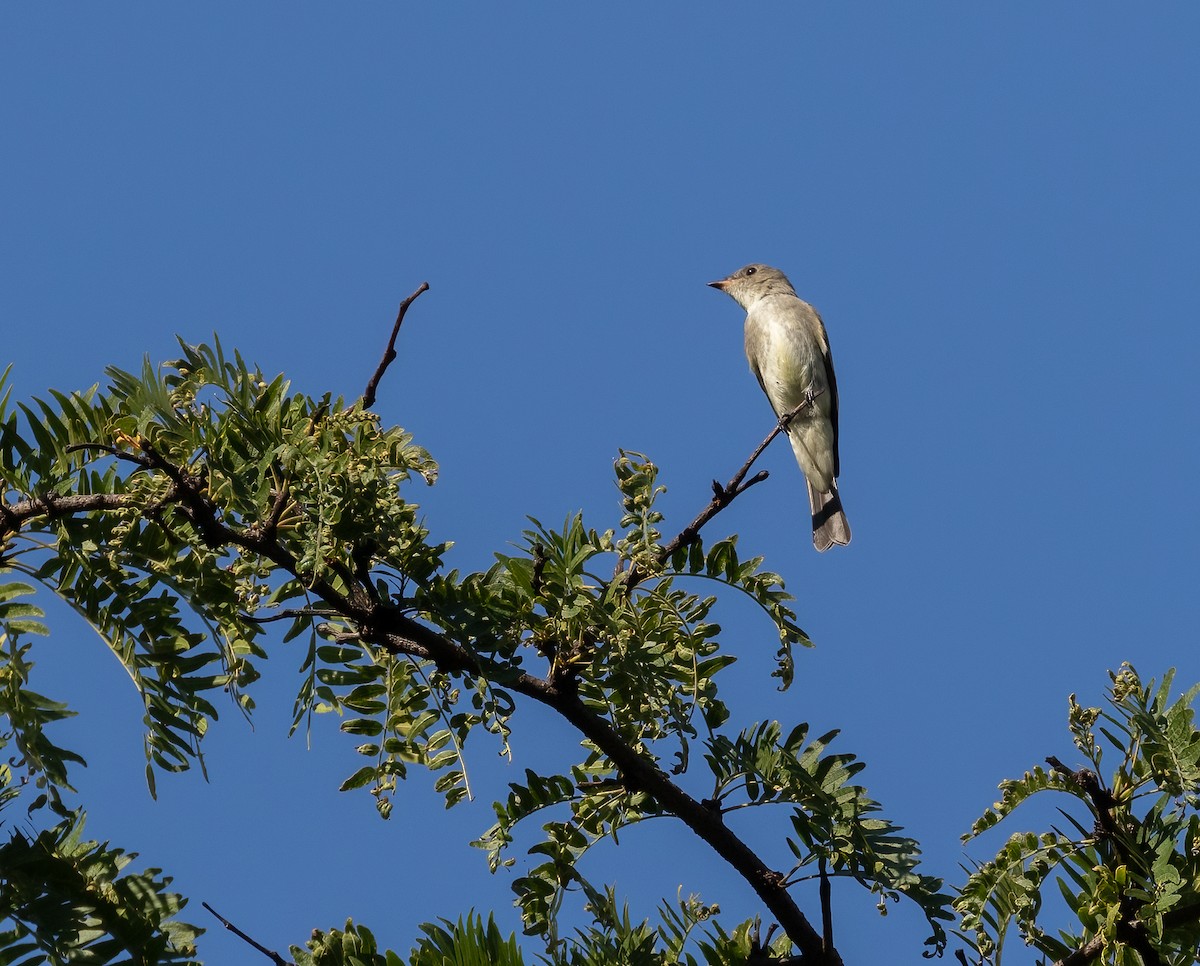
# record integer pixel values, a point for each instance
(1102, 802)
(269, 953)
(291, 613)
(110, 450)
(283, 499)
(638, 771)
(368, 397)
(722, 495)
(760, 950)
(826, 905)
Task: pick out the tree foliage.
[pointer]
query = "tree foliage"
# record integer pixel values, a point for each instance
(195, 515)
(1126, 860)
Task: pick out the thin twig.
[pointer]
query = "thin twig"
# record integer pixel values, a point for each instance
(290, 613)
(270, 954)
(110, 450)
(722, 495)
(368, 398)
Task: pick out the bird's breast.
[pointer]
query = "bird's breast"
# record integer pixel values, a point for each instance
(784, 354)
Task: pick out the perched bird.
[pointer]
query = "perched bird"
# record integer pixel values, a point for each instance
(788, 352)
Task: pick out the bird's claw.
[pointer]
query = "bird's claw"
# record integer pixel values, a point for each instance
(810, 396)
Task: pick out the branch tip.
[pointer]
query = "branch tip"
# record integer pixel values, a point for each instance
(389, 354)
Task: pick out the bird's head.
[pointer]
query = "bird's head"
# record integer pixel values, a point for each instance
(747, 285)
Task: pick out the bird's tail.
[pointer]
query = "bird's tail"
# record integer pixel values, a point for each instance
(829, 521)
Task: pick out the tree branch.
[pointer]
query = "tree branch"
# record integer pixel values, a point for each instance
(16, 515)
(269, 953)
(722, 496)
(389, 354)
(826, 905)
(1102, 802)
(643, 774)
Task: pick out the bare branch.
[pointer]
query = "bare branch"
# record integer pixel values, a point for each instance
(269, 953)
(1087, 953)
(283, 498)
(722, 495)
(368, 397)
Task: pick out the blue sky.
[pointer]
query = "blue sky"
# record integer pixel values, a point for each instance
(994, 208)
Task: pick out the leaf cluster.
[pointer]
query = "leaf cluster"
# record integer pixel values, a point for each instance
(64, 899)
(837, 830)
(1127, 861)
(614, 937)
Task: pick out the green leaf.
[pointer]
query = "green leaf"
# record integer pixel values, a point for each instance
(361, 778)
(72, 900)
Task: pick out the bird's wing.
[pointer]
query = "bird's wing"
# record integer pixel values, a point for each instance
(827, 360)
(754, 356)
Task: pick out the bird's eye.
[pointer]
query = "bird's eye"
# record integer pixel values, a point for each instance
(751, 270)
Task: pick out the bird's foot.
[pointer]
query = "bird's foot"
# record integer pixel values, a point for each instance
(810, 396)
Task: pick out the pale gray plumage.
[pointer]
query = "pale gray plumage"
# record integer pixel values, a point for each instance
(788, 352)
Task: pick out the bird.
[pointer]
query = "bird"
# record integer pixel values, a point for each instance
(788, 352)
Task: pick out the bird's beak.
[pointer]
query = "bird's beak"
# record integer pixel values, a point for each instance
(721, 284)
